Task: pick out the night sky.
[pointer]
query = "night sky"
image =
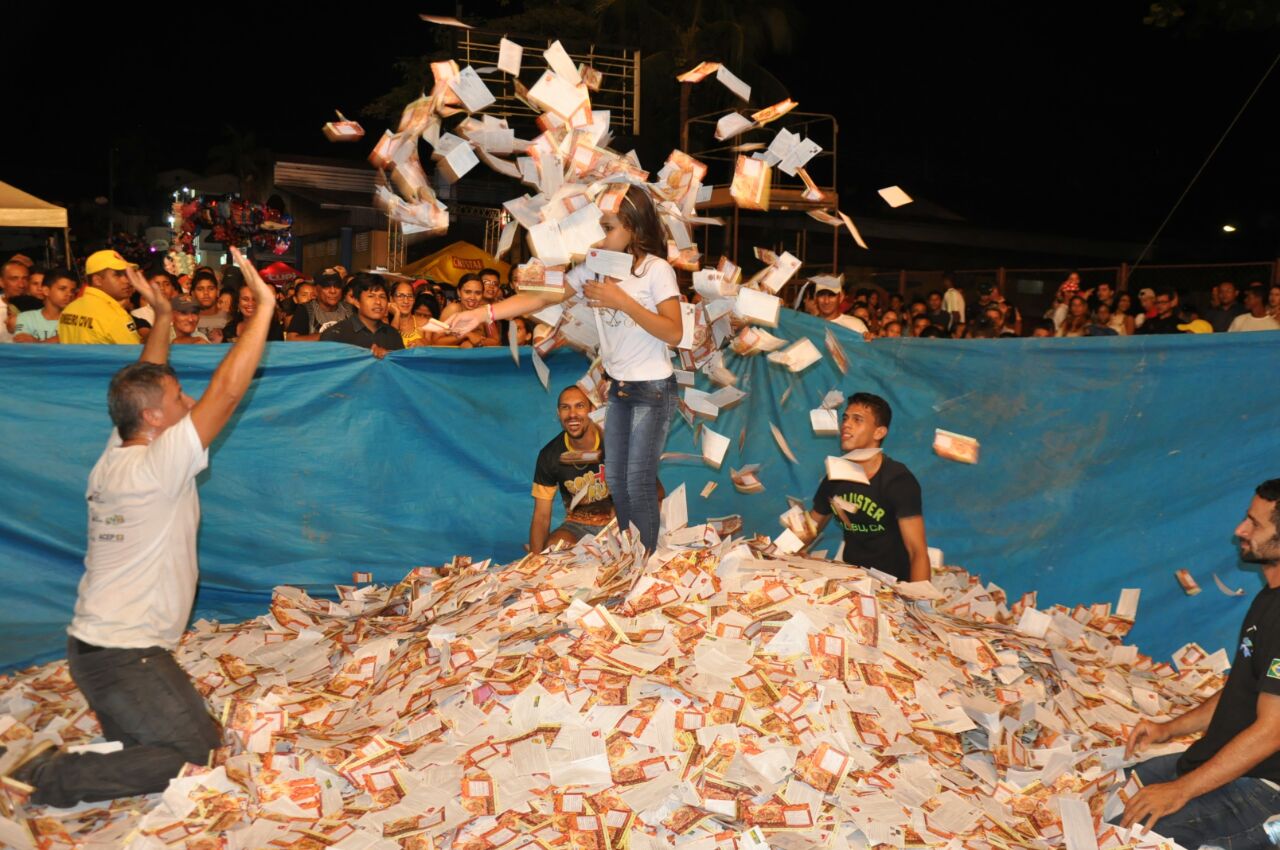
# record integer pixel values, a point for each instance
(1071, 118)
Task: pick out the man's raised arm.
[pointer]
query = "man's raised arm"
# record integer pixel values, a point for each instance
(231, 379)
(157, 348)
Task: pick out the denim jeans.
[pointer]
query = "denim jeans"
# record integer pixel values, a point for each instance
(144, 700)
(634, 434)
(1230, 817)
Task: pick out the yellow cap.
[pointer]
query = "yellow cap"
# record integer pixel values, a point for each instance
(102, 260)
(1196, 326)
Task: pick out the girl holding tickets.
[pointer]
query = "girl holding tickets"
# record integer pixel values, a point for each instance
(638, 317)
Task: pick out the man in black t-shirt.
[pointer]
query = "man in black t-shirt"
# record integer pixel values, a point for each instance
(325, 310)
(573, 464)
(1166, 320)
(937, 314)
(883, 520)
(367, 328)
(1225, 786)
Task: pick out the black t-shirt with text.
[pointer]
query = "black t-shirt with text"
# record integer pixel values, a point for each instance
(551, 474)
(872, 537)
(1255, 670)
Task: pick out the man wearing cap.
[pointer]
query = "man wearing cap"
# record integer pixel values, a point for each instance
(141, 573)
(326, 309)
(186, 321)
(988, 295)
(826, 297)
(96, 316)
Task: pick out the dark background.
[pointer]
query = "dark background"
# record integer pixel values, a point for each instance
(1071, 118)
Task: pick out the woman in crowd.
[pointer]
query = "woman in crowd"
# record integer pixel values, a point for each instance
(245, 306)
(1077, 318)
(470, 299)
(1136, 313)
(638, 317)
(1122, 315)
(406, 318)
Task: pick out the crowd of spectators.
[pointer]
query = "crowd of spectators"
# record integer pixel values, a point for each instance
(1100, 311)
(376, 311)
(385, 312)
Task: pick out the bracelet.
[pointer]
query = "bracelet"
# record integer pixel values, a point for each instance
(492, 318)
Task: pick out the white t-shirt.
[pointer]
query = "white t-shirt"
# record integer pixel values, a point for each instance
(853, 323)
(1246, 322)
(953, 302)
(631, 353)
(1058, 314)
(140, 567)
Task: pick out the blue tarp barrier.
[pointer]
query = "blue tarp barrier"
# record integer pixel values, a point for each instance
(1106, 463)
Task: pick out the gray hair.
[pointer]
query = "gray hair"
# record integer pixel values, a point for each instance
(133, 389)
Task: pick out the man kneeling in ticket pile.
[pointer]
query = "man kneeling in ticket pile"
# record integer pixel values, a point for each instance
(140, 572)
(1224, 789)
(573, 463)
(876, 497)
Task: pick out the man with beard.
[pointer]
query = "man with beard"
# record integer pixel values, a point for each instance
(366, 328)
(1224, 787)
(573, 462)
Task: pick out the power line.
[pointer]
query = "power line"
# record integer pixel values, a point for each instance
(1200, 171)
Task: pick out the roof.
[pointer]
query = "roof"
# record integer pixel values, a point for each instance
(18, 209)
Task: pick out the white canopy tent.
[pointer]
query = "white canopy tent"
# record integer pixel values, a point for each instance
(19, 209)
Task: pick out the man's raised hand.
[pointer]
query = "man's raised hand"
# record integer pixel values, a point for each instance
(262, 292)
(150, 294)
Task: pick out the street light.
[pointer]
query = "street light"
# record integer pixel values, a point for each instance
(1228, 228)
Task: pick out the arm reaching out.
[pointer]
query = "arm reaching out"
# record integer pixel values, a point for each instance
(466, 321)
(231, 379)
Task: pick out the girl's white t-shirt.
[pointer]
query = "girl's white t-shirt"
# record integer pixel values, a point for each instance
(629, 352)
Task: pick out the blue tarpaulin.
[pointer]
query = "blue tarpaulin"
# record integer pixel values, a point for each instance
(1106, 463)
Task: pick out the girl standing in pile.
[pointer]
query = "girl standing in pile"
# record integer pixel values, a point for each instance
(638, 317)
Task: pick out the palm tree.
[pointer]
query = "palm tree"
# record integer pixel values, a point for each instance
(240, 154)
